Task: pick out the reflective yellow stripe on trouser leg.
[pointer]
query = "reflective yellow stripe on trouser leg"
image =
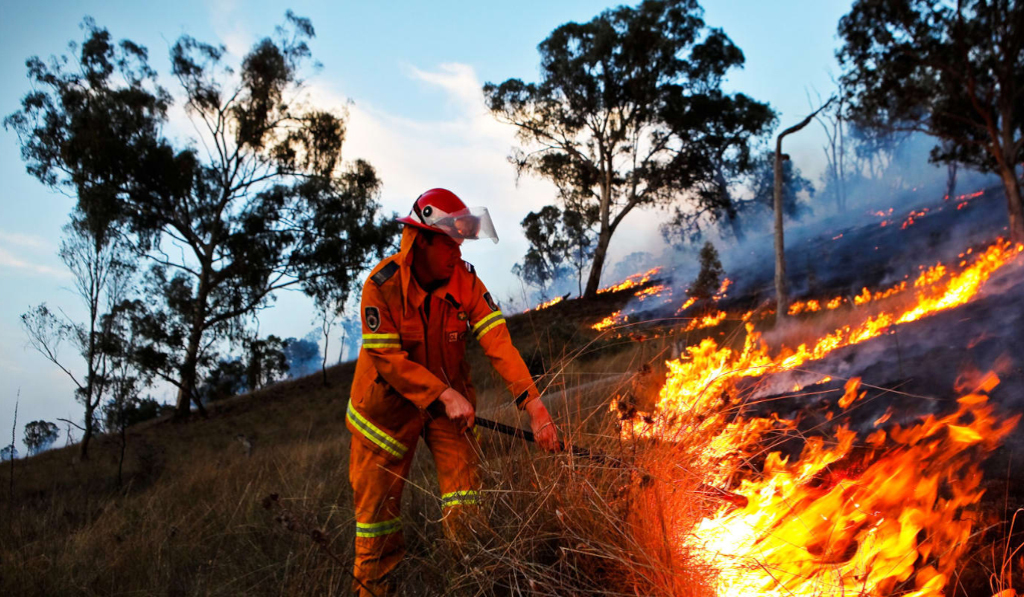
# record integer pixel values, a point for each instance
(460, 498)
(378, 529)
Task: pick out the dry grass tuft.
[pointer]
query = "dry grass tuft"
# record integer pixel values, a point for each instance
(190, 519)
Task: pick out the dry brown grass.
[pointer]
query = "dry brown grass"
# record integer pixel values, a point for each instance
(189, 519)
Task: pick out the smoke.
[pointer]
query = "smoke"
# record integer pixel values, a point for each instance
(303, 355)
(896, 218)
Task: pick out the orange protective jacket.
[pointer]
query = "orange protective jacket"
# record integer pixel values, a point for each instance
(414, 346)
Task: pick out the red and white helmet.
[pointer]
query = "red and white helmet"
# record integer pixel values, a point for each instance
(440, 210)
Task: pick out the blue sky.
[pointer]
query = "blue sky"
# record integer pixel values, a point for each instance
(410, 73)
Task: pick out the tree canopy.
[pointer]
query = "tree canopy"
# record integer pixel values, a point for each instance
(40, 435)
(260, 201)
(952, 70)
(629, 113)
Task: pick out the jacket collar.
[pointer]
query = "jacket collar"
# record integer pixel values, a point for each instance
(412, 294)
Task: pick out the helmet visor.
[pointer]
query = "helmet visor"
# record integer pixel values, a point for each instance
(466, 224)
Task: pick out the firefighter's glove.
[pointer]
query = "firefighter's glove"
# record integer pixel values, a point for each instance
(543, 427)
(458, 409)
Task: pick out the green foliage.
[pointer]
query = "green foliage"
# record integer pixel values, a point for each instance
(265, 204)
(629, 113)
(40, 435)
(134, 411)
(267, 361)
(101, 267)
(709, 279)
(793, 184)
(9, 452)
(559, 240)
(225, 380)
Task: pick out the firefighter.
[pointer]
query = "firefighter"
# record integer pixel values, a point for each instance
(418, 309)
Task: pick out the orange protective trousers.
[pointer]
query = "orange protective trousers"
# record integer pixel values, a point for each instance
(377, 483)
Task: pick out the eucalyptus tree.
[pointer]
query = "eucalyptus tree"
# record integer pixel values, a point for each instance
(101, 270)
(629, 113)
(40, 435)
(225, 220)
(952, 70)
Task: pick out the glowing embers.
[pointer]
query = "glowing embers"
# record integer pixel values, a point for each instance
(913, 217)
(632, 281)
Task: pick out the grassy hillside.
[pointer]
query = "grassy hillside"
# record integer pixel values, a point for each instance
(192, 516)
(254, 499)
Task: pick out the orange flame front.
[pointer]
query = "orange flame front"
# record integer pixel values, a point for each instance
(632, 281)
(883, 515)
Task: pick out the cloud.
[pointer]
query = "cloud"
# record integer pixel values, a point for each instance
(29, 241)
(9, 260)
(466, 152)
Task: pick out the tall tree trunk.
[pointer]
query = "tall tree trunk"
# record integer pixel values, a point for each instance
(323, 363)
(781, 289)
(951, 168)
(187, 390)
(188, 375)
(1008, 172)
(86, 434)
(1014, 204)
(597, 265)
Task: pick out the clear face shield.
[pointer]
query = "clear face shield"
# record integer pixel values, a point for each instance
(471, 223)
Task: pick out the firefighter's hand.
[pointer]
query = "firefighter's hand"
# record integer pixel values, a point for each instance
(543, 427)
(458, 409)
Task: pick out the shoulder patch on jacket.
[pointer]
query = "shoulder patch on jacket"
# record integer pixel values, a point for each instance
(372, 316)
(385, 273)
(469, 267)
(490, 302)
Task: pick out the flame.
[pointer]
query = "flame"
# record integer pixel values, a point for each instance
(547, 304)
(723, 289)
(892, 516)
(799, 307)
(708, 321)
(833, 522)
(613, 319)
(655, 290)
(690, 301)
(632, 281)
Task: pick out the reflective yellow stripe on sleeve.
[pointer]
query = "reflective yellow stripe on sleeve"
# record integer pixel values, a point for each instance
(382, 341)
(487, 324)
(374, 434)
(460, 498)
(378, 529)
